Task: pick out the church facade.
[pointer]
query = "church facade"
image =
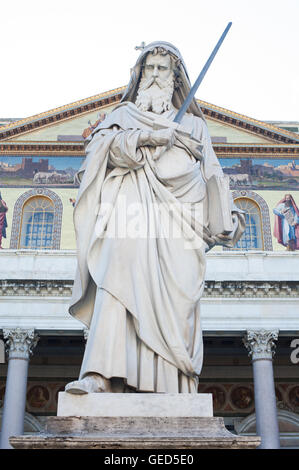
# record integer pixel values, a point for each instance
(249, 309)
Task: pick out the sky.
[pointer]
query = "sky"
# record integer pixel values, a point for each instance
(56, 52)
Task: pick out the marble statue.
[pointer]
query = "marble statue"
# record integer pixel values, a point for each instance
(142, 221)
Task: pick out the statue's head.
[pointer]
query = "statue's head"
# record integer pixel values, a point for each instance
(159, 80)
(156, 85)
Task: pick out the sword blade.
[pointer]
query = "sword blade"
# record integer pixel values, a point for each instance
(200, 77)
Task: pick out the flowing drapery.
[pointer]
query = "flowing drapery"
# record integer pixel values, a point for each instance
(155, 277)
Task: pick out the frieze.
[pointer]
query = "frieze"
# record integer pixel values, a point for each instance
(239, 397)
(42, 148)
(229, 398)
(251, 289)
(222, 150)
(36, 288)
(236, 289)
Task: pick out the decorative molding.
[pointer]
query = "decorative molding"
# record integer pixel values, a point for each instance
(60, 114)
(252, 289)
(265, 215)
(250, 125)
(19, 342)
(213, 289)
(96, 102)
(17, 215)
(248, 424)
(222, 150)
(260, 343)
(234, 150)
(33, 288)
(42, 148)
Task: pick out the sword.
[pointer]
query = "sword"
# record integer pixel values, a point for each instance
(160, 122)
(200, 77)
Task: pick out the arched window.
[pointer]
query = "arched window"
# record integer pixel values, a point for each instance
(252, 238)
(257, 235)
(37, 221)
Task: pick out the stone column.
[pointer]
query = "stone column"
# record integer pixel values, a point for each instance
(19, 346)
(260, 344)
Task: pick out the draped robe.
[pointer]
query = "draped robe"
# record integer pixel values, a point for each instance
(139, 294)
(283, 231)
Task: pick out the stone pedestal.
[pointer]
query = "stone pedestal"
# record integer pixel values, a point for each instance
(134, 421)
(152, 405)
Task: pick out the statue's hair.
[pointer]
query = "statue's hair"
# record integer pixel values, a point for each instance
(174, 61)
(159, 50)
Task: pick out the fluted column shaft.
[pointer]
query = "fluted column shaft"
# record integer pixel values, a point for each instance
(260, 344)
(19, 346)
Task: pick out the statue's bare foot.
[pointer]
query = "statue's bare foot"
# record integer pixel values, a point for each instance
(92, 383)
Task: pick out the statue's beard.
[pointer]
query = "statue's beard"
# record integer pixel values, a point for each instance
(155, 94)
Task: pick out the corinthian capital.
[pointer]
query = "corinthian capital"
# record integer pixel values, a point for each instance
(260, 343)
(19, 342)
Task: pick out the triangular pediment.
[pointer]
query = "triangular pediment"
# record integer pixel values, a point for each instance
(68, 122)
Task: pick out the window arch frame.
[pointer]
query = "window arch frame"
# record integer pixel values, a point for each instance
(18, 213)
(258, 226)
(264, 214)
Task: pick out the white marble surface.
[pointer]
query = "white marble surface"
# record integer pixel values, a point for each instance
(49, 313)
(221, 265)
(136, 404)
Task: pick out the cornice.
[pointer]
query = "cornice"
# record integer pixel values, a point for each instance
(246, 123)
(42, 148)
(213, 289)
(99, 101)
(223, 150)
(56, 115)
(233, 150)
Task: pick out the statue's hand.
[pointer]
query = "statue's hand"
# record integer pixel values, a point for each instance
(222, 236)
(163, 139)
